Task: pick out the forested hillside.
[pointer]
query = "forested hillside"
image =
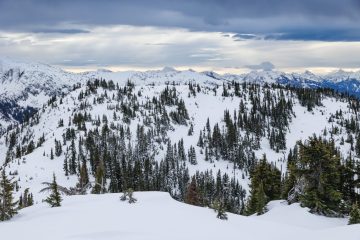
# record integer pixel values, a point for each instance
(234, 145)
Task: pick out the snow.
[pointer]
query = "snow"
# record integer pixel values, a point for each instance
(32, 83)
(80, 215)
(293, 215)
(338, 75)
(262, 76)
(156, 216)
(35, 168)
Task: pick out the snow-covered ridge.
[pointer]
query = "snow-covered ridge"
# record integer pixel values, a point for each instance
(28, 85)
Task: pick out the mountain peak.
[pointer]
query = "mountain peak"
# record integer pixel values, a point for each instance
(104, 70)
(168, 69)
(308, 72)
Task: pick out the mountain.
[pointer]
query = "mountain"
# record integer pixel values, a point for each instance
(201, 137)
(177, 114)
(26, 86)
(162, 218)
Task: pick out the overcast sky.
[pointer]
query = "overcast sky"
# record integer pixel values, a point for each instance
(223, 35)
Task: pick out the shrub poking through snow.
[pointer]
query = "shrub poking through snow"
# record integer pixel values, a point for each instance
(354, 214)
(219, 208)
(128, 195)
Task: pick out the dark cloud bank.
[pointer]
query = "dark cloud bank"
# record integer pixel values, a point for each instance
(321, 20)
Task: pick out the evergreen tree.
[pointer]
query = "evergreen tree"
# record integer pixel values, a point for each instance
(319, 165)
(51, 154)
(192, 155)
(354, 214)
(261, 200)
(72, 158)
(7, 204)
(26, 199)
(357, 145)
(265, 186)
(192, 196)
(30, 147)
(58, 148)
(99, 179)
(54, 199)
(66, 165)
(290, 177)
(84, 176)
(219, 208)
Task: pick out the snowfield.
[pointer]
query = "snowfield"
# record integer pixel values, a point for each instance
(156, 216)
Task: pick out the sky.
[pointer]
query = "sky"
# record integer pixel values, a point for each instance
(232, 36)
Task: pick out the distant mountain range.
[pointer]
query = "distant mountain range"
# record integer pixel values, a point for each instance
(26, 86)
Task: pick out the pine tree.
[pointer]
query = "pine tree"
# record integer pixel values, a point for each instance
(54, 199)
(288, 190)
(58, 148)
(192, 155)
(265, 186)
(357, 145)
(66, 165)
(354, 214)
(51, 154)
(219, 208)
(320, 167)
(192, 196)
(99, 179)
(7, 204)
(72, 158)
(26, 199)
(261, 200)
(84, 176)
(191, 130)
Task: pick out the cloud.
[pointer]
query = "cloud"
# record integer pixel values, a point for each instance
(146, 47)
(332, 35)
(159, 44)
(245, 36)
(126, 47)
(265, 66)
(288, 19)
(207, 34)
(61, 31)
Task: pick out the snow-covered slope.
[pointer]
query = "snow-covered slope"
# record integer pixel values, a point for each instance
(36, 167)
(148, 99)
(26, 86)
(155, 77)
(158, 217)
(19, 79)
(32, 84)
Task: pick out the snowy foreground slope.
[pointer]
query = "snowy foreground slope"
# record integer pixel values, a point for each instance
(156, 216)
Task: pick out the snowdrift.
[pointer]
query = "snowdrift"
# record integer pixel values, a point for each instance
(156, 216)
